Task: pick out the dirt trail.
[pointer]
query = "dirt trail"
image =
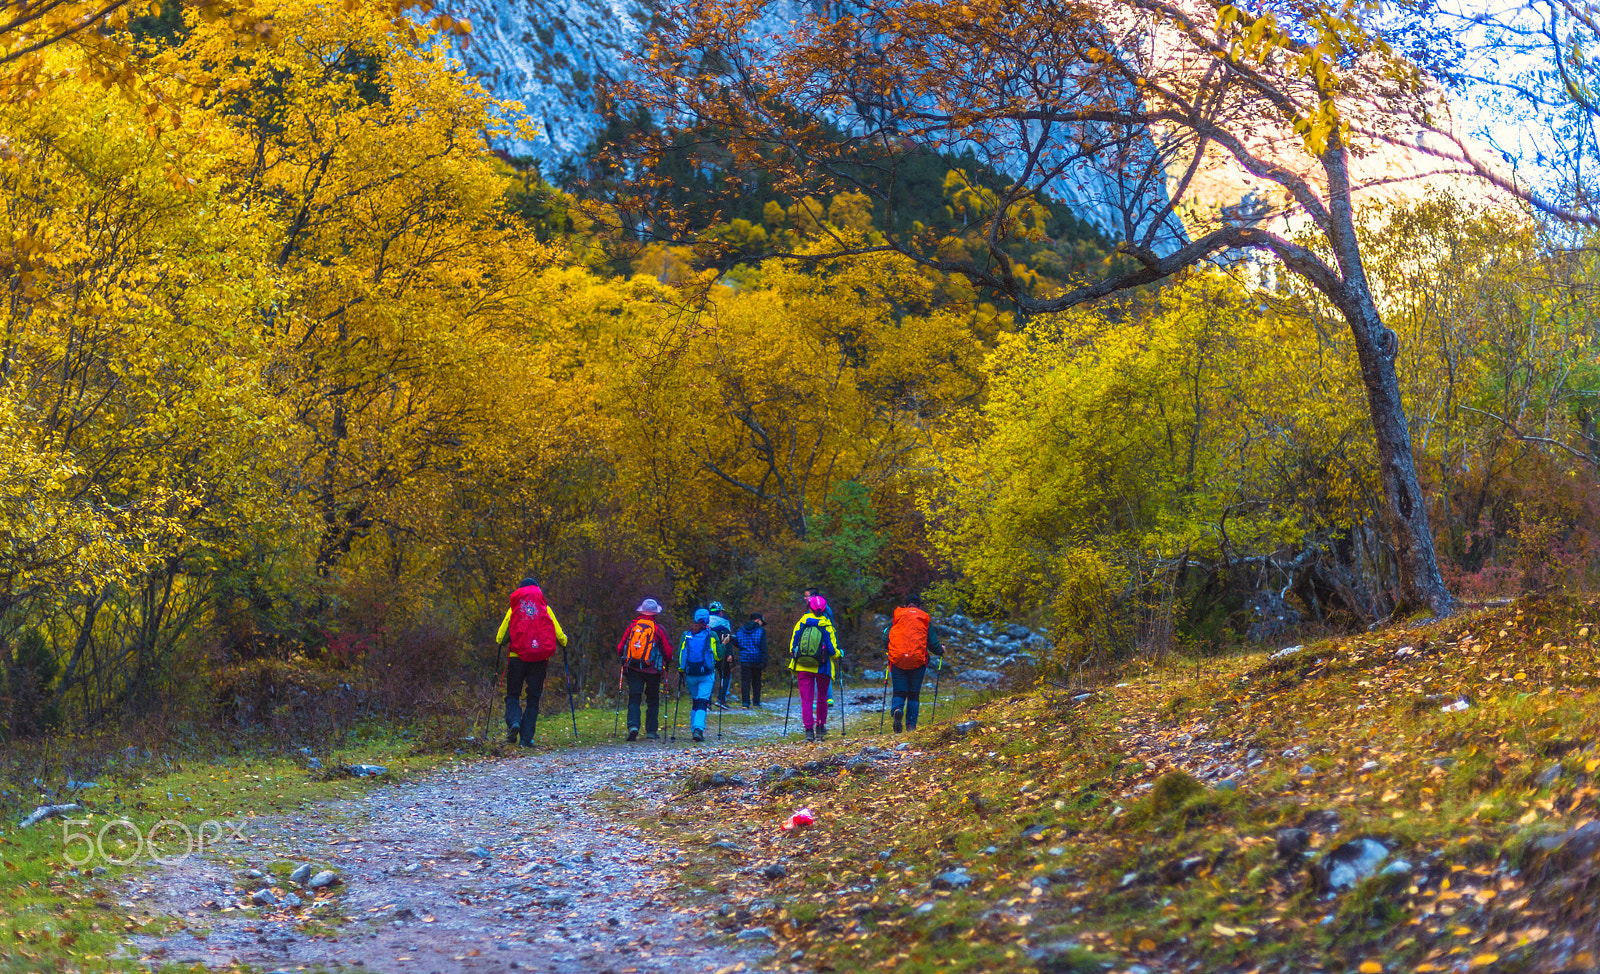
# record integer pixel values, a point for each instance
(566, 887)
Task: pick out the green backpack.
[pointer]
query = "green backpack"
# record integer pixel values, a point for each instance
(809, 649)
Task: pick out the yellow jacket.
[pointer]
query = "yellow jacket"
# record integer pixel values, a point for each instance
(505, 628)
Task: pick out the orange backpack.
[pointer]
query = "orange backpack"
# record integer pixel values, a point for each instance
(908, 638)
(642, 651)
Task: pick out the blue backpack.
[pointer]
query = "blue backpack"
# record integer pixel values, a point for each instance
(699, 653)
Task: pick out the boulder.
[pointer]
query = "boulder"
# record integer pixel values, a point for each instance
(1564, 851)
(49, 811)
(775, 871)
(1017, 632)
(301, 873)
(263, 897)
(1293, 842)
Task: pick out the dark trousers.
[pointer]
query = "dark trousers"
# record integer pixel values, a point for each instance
(750, 684)
(518, 673)
(908, 692)
(724, 680)
(647, 686)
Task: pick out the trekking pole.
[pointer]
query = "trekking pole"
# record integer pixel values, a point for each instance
(494, 691)
(787, 701)
(676, 701)
(842, 734)
(885, 711)
(622, 695)
(935, 708)
(572, 705)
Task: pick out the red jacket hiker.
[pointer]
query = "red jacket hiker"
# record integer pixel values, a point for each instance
(663, 645)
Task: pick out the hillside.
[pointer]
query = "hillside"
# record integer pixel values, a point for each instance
(1418, 799)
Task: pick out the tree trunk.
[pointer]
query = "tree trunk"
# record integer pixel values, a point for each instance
(1420, 586)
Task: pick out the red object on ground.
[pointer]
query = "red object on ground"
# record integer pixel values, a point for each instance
(799, 820)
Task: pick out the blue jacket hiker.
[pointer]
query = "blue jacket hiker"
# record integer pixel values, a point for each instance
(698, 653)
(751, 642)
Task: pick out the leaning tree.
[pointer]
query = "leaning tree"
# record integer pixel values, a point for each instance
(1150, 114)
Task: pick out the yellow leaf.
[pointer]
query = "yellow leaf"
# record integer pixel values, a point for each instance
(1484, 960)
(1147, 945)
(1371, 967)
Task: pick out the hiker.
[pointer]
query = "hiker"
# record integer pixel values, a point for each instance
(698, 653)
(751, 640)
(723, 629)
(812, 650)
(644, 662)
(816, 593)
(908, 641)
(531, 633)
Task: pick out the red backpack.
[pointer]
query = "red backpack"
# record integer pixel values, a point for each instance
(908, 638)
(533, 635)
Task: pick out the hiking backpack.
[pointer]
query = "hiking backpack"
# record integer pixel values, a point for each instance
(809, 647)
(699, 652)
(532, 635)
(908, 638)
(642, 651)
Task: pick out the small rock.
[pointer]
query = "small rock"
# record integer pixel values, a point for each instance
(905, 746)
(953, 879)
(1370, 766)
(1179, 870)
(1285, 652)
(726, 846)
(301, 873)
(924, 909)
(325, 879)
(1292, 842)
(775, 871)
(1017, 632)
(255, 874)
(990, 850)
(1549, 776)
(1307, 771)
(753, 933)
(481, 852)
(1035, 833)
(1397, 868)
(1352, 862)
(859, 765)
(885, 855)
(963, 729)
(1128, 879)
(984, 677)
(1080, 698)
(1456, 707)
(1227, 784)
(313, 764)
(366, 770)
(797, 955)
(292, 901)
(99, 870)
(559, 902)
(263, 897)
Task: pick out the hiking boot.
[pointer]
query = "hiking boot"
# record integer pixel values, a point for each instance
(633, 733)
(511, 736)
(897, 720)
(822, 732)
(811, 735)
(699, 735)
(654, 735)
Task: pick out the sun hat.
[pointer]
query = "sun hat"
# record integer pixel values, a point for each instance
(649, 607)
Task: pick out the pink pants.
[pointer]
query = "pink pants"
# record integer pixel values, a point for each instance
(813, 689)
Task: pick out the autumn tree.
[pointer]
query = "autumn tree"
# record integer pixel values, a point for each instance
(1147, 113)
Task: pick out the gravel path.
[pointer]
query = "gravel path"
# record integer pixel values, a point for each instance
(566, 886)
